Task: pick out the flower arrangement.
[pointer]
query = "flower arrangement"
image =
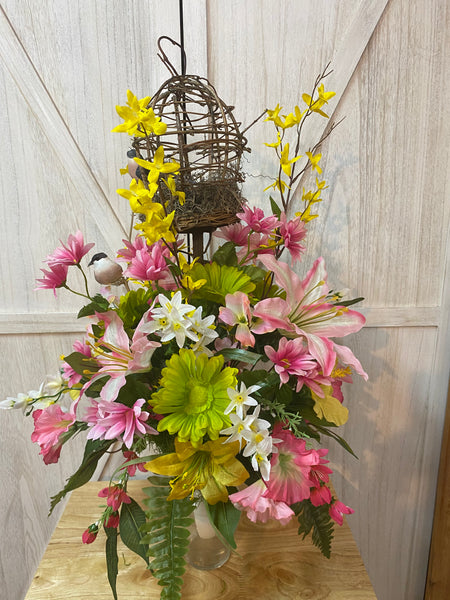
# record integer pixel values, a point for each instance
(217, 376)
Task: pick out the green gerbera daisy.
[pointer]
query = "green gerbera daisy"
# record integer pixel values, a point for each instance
(194, 395)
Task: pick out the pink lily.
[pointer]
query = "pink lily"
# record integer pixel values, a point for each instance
(306, 311)
(117, 356)
(237, 312)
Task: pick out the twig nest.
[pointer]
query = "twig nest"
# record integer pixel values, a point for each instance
(203, 136)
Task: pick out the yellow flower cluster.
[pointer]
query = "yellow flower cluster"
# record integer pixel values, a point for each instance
(287, 161)
(140, 121)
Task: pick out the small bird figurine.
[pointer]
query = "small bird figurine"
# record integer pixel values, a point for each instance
(106, 271)
(132, 165)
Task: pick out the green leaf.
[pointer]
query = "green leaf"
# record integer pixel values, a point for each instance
(317, 519)
(335, 436)
(225, 518)
(257, 377)
(112, 560)
(226, 255)
(167, 534)
(276, 210)
(132, 518)
(244, 356)
(348, 302)
(220, 281)
(256, 274)
(94, 450)
(99, 304)
(132, 390)
(132, 307)
(79, 362)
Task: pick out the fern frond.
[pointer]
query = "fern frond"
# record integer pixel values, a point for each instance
(317, 519)
(167, 534)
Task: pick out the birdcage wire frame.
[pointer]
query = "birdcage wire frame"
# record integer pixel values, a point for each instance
(203, 136)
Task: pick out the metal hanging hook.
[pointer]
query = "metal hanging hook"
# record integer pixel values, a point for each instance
(165, 59)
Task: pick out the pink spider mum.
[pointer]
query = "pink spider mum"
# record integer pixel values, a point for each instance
(236, 233)
(257, 221)
(70, 254)
(110, 420)
(149, 264)
(291, 358)
(49, 424)
(131, 248)
(54, 278)
(293, 232)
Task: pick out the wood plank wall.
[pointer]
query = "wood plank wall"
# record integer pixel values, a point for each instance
(383, 228)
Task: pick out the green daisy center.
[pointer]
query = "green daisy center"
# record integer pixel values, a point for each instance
(198, 398)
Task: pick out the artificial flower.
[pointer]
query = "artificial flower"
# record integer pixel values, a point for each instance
(109, 420)
(193, 395)
(131, 469)
(54, 278)
(285, 162)
(241, 398)
(90, 535)
(258, 507)
(158, 165)
(305, 312)
(117, 355)
(170, 320)
(293, 232)
(237, 312)
(70, 254)
(141, 197)
(210, 468)
(138, 119)
(115, 496)
(257, 220)
(314, 161)
(290, 468)
(337, 511)
(291, 358)
(327, 407)
(49, 424)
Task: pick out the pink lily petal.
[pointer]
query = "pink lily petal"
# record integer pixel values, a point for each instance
(347, 357)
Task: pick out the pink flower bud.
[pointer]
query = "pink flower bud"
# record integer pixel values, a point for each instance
(90, 534)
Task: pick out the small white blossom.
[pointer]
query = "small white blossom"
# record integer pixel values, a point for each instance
(169, 320)
(241, 398)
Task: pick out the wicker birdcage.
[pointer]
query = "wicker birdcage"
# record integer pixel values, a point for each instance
(203, 137)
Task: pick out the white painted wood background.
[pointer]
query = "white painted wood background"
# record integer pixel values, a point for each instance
(383, 228)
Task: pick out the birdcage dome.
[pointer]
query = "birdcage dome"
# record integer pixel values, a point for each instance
(203, 137)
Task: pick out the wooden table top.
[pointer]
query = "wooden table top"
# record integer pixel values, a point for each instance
(272, 563)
